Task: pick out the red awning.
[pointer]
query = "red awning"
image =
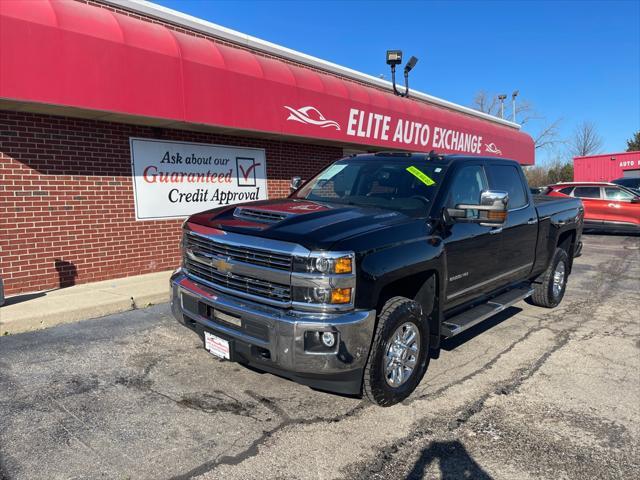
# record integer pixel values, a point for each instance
(77, 55)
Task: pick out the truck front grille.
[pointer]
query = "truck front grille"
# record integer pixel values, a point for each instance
(239, 283)
(262, 258)
(212, 261)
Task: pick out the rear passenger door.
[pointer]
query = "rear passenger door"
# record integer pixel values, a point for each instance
(519, 236)
(595, 211)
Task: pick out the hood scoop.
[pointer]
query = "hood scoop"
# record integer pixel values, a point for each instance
(258, 215)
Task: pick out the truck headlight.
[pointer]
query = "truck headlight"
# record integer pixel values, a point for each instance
(323, 280)
(325, 263)
(322, 296)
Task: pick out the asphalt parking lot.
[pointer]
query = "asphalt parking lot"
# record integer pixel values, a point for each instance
(532, 393)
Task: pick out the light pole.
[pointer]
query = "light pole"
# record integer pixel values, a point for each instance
(502, 98)
(513, 105)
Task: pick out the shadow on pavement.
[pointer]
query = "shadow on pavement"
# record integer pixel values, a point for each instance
(454, 461)
(23, 298)
(609, 233)
(462, 338)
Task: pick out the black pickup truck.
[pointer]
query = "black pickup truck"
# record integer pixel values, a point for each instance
(350, 283)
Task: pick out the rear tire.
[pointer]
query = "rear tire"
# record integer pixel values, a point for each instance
(550, 290)
(400, 353)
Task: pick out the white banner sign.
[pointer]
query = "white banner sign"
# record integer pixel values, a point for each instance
(177, 179)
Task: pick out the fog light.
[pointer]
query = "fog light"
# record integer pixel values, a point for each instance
(329, 339)
(321, 295)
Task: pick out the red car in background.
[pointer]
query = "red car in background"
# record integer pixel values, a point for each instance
(607, 206)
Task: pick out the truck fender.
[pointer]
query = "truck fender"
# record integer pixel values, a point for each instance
(428, 297)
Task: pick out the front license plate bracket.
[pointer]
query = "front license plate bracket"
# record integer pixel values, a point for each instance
(218, 346)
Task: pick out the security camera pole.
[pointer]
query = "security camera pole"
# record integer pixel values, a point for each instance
(394, 57)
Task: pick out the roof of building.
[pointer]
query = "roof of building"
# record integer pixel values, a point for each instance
(609, 155)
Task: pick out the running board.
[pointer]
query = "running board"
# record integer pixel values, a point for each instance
(467, 319)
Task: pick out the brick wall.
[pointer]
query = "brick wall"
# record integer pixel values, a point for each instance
(66, 198)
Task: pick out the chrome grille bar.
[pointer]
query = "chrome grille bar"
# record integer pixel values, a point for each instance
(222, 261)
(241, 283)
(248, 255)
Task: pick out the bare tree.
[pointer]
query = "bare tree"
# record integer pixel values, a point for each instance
(586, 140)
(558, 170)
(547, 135)
(486, 103)
(489, 103)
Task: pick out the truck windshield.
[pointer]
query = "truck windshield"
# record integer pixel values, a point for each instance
(392, 183)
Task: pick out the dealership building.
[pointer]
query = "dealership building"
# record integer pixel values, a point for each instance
(118, 118)
(606, 167)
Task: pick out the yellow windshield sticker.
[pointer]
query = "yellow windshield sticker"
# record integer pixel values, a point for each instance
(424, 178)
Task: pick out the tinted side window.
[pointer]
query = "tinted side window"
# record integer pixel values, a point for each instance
(467, 185)
(507, 178)
(612, 193)
(566, 190)
(587, 192)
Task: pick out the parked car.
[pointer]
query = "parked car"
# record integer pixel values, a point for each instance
(607, 206)
(632, 183)
(349, 284)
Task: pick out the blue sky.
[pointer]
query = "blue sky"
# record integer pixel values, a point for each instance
(573, 61)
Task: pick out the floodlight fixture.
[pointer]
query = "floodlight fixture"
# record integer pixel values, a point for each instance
(394, 57)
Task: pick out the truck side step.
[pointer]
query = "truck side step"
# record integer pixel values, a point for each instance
(467, 319)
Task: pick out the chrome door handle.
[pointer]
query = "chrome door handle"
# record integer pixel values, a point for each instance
(613, 205)
(493, 231)
(533, 221)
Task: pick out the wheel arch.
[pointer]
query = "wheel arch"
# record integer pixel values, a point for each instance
(567, 242)
(424, 288)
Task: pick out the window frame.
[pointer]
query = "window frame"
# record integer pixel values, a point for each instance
(457, 172)
(571, 189)
(599, 188)
(626, 200)
(519, 174)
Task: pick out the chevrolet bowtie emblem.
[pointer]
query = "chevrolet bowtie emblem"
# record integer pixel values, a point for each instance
(221, 264)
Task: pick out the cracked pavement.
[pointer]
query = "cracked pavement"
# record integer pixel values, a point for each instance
(530, 393)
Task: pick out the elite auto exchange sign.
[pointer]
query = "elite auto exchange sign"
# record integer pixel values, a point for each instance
(178, 179)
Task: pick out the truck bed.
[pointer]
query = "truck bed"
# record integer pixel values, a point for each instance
(548, 206)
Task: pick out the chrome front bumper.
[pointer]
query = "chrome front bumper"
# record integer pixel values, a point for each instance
(283, 332)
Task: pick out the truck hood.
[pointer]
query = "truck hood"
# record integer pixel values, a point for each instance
(310, 224)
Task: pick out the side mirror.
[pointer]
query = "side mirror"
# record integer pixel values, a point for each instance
(492, 210)
(295, 184)
(635, 200)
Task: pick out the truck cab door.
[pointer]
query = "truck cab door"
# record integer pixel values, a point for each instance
(595, 208)
(516, 254)
(470, 247)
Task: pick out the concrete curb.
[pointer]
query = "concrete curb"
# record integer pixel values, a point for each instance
(82, 302)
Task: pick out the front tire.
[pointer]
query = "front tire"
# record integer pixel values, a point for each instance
(550, 290)
(400, 353)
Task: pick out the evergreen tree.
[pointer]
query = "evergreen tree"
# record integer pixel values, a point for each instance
(633, 144)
